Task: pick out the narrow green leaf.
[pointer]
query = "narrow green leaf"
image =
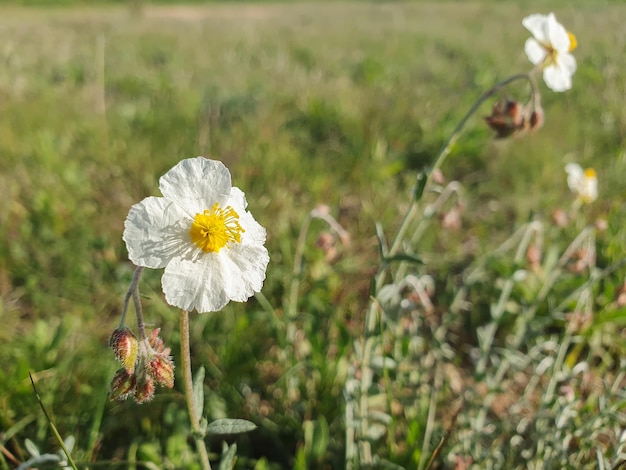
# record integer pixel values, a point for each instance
(31, 448)
(229, 457)
(230, 426)
(382, 241)
(198, 390)
(52, 426)
(420, 185)
(403, 257)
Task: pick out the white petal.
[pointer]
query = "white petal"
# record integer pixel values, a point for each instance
(557, 34)
(557, 78)
(236, 199)
(155, 231)
(251, 261)
(199, 181)
(575, 176)
(537, 25)
(589, 189)
(196, 284)
(535, 52)
(214, 279)
(568, 62)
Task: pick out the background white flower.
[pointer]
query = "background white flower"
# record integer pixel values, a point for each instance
(550, 48)
(582, 182)
(200, 232)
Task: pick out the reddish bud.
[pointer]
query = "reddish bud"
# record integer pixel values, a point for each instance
(507, 117)
(144, 391)
(124, 345)
(533, 255)
(155, 341)
(536, 119)
(122, 385)
(161, 369)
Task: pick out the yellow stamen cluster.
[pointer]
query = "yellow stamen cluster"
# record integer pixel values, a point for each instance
(215, 228)
(573, 43)
(590, 173)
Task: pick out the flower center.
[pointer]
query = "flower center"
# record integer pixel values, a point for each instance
(590, 173)
(573, 43)
(215, 228)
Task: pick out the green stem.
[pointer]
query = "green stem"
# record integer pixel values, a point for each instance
(296, 277)
(188, 387)
(371, 316)
(131, 293)
(441, 156)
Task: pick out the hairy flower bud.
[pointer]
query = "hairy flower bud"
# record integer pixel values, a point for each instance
(536, 119)
(161, 369)
(155, 341)
(124, 345)
(144, 391)
(507, 117)
(122, 385)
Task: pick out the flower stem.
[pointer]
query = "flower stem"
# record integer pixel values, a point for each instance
(130, 293)
(188, 386)
(296, 275)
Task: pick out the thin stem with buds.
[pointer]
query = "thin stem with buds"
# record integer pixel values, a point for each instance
(371, 317)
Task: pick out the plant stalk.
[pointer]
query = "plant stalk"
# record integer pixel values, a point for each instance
(188, 387)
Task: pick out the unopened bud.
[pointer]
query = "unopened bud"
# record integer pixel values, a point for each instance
(144, 391)
(122, 385)
(124, 345)
(507, 117)
(155, 341)
(536, 119)
(161, 369)
(533, 255)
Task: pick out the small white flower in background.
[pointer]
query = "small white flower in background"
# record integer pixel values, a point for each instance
(550, 48)
(582, 182)
(200, 232)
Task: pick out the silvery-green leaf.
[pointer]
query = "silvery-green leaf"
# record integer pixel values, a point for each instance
(229, 457)
(230, 426)
(198, 391)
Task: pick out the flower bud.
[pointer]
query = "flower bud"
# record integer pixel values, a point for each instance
(507, 117)
(161, 369)
(144, 391)
(122, 385)
(536, 119)
(155, 341)
(124, 345)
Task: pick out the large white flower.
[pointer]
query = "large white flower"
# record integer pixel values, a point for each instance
(584, 183)
(550, 48)
(200, 232)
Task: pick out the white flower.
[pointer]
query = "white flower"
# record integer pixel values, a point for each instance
(200, 232)
(584, 183)
(550, 50)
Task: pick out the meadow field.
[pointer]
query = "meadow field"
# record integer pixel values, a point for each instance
(491, 335)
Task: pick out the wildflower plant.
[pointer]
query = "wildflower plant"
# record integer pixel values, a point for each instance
(213, 252)
(583, 183)
(408, 344)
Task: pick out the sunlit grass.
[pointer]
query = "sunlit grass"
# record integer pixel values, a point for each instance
(306, 104)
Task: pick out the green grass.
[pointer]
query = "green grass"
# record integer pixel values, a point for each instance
(307, 104)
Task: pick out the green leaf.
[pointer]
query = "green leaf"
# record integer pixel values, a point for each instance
(230, 426)
(420, 185)
(382, 242)
(229, 457)
(316, 438)
(31, 447)
(403, 257)
(198, 390)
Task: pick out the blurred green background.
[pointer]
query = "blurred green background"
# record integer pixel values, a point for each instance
(307, 104)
